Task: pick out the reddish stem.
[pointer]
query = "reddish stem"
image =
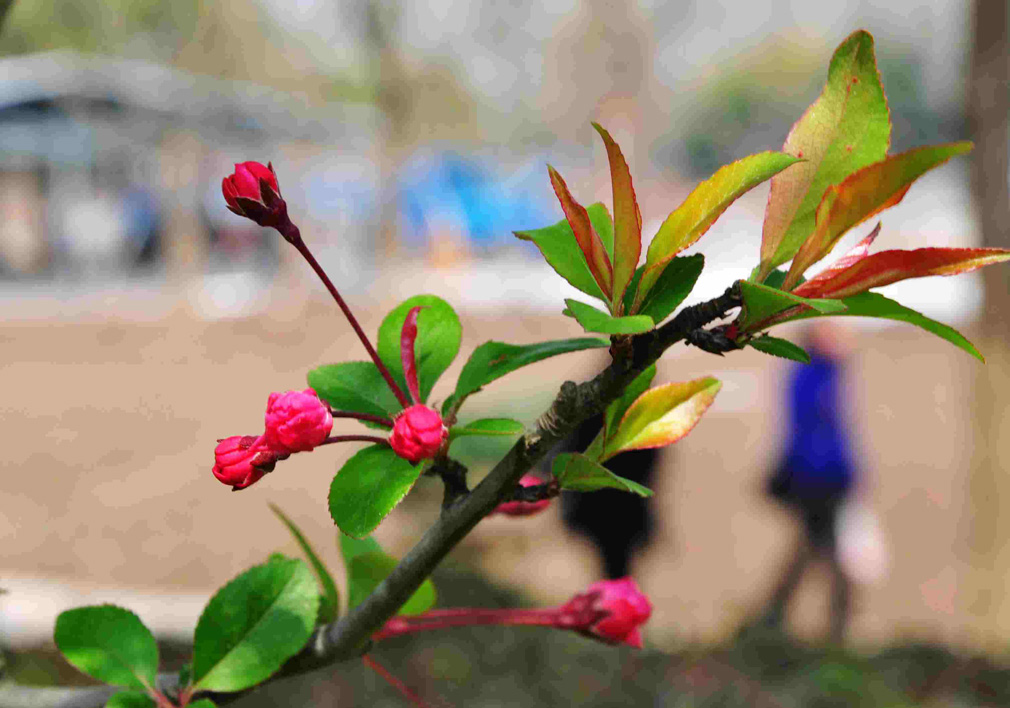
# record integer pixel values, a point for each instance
(394, 682)
(353, 438)
(467, 617)
(292, 234)
(362, 416)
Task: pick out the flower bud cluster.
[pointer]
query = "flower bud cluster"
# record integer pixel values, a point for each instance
(296, 421)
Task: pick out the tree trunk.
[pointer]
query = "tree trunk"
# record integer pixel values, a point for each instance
(988, 514)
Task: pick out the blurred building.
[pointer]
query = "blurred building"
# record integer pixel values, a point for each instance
(108, 165)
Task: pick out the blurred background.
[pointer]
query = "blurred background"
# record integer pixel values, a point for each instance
(140, 320)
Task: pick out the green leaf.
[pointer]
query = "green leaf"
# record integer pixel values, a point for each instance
(202, 703)
(368, 565)
(593, 320)
(847, 128)
(492, 360)
(864, 194)
(368, 487)
(617, 409)
(110, 644)
(489, 426)
(562, 252)
(662, 415)
(761, 302)
(632, 291)
(439, 334)
(186, 675)
(351, 548)
(673, 286)
(703, 206)
(329, 600)
(603, 225)
(876, 305)
(781, 348)
(253, 625)
(130, 699)
(366, 571)
(355, 386)
(627, 217)
(578, 473)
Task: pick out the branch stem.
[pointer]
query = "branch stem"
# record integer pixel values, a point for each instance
(292, 234)
(362, 416)
(353, 438)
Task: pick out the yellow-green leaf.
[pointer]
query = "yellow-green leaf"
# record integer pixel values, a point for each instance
(847, 128)
(703, 206)
(864, 194)
(662, 415)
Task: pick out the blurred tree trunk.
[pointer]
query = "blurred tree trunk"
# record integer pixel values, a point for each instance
(987, 600)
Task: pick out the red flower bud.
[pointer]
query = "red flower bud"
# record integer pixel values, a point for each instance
(611, 610)
(296, 421)
(242, 460)
(252, 191)
(523, 508)
(418, 433)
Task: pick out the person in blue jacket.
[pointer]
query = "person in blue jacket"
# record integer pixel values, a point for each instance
(816, 474)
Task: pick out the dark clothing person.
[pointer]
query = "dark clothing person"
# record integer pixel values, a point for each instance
(815, 477)
(618, 523)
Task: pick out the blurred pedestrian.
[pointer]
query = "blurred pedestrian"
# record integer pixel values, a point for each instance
(816, 476)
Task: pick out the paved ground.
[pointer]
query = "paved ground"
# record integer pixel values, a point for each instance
(109, 427)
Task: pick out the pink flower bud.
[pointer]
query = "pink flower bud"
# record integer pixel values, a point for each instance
(523, 508)
(242, 460)
(252, 191)
(611, 610)
(296, 421)
(418, 433)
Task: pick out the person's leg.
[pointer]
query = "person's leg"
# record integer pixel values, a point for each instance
(775, 610)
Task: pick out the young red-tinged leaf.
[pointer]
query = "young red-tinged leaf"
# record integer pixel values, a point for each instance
(847, 127)
(864, 194)
(408, 335)
(860, 251)
(662, 416)
(627, 219)
(593, 320)
(888, 267)
(703, 206)
(589, 241)
(439, 334)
